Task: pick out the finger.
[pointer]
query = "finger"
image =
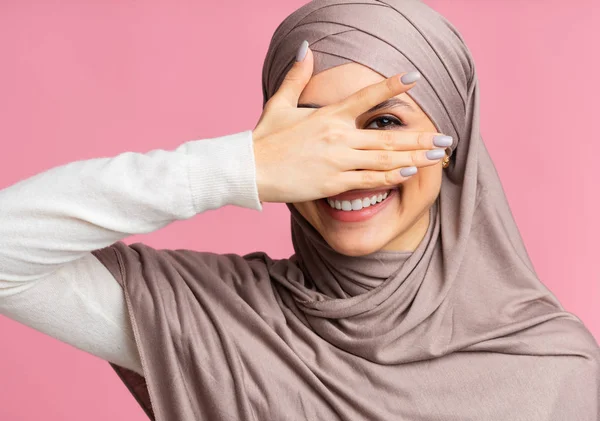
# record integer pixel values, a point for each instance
(296, 78)
(368, 97)
(389, 140)
(358, 180)
(380, 160)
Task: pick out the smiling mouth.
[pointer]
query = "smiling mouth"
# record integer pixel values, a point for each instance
(359, 206)
(358, 203)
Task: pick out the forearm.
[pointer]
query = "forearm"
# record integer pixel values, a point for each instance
(63, 213)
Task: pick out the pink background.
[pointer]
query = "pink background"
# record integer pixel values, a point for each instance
(87, 79)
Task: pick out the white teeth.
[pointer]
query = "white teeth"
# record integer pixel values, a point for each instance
(357, 204)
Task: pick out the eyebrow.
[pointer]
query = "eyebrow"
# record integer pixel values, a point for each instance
(387, 104)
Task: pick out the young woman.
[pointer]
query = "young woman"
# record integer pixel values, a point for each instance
(410, 296)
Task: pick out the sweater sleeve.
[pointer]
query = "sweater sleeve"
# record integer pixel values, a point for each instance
(51, 222)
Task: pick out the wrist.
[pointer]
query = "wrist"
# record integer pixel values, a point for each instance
(222, 172)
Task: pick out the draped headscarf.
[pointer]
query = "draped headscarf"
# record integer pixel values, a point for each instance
(459, 329)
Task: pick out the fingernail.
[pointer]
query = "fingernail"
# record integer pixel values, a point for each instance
(410, 77)
(408, 171)
(302, 51)
(435, 154)
(442, 141)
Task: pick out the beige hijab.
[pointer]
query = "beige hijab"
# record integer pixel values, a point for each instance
(459, 329)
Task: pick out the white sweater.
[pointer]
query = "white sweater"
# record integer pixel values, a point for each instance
(50, 223)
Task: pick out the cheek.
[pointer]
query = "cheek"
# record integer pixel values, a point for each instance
(420, 191)
(309, 211)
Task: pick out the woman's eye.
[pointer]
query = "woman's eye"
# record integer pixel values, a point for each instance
(384, 122)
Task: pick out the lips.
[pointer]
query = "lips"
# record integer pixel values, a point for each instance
(358, 203)
(352, 210)
(359, 194)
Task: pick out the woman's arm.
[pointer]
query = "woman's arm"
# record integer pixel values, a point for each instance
(49, 224)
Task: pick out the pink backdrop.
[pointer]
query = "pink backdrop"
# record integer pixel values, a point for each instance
(86, 79)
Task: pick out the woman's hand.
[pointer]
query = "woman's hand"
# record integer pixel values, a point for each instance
(306, 154)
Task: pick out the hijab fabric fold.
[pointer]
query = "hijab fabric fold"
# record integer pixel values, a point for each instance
(459, 329)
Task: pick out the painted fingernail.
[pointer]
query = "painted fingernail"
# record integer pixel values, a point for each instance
(410, 77)
(442, 141)
(302, 51)
(408, 171)
(435, 154)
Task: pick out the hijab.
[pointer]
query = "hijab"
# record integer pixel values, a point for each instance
(459, 329)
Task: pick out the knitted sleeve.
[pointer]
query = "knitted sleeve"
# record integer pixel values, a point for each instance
(51, 223)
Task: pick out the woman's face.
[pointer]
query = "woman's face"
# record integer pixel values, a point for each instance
(400, 221)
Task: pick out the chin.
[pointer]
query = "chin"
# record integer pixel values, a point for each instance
(354, 247)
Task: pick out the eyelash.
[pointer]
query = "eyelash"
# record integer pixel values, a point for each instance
(393, 119)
